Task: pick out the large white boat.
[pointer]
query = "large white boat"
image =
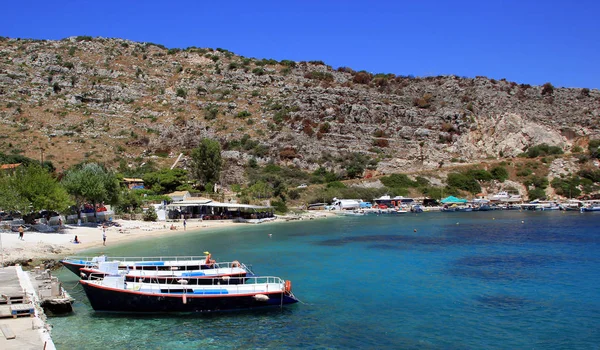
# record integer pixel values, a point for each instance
(115, 294)
(504, 196)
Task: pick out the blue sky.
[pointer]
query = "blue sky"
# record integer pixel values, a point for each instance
(525, 41)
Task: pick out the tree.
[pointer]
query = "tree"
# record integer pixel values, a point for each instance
(32, 188)
(463, 182)
(207, 161)
(260, 190)
(91, 183)
(499, 173)
(129, 201)
(165, 180)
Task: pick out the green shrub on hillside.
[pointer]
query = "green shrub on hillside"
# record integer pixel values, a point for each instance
(211, 112)
(479, 174)
(398, 181)
(542, 150)
(243, 114)
(568, 187)
(463, 182)
(524, 172)
(319, 76)
(536, 193)
(181, 93)
(421, 181)
(280, 207)
(594, 149)
(336, 184)
(593, 175)
(322, 175)
(537, 181)
(499, 173)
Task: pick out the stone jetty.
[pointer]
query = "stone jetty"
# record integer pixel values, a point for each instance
(22, 319)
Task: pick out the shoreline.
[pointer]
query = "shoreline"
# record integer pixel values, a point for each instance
(37, 246)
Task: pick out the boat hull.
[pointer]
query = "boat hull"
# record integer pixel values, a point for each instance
(235, 278)
(74, 267)
(590, 209)
(118, 300)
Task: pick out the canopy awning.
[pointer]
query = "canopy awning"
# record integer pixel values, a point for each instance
(452, 199)
(214, 204)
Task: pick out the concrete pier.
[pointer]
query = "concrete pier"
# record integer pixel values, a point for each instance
(22, 323)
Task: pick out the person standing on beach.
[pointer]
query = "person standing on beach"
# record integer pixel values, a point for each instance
(184, 224)
(103, 234)
(21, 231)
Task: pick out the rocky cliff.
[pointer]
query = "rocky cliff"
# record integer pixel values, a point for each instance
(114, 101)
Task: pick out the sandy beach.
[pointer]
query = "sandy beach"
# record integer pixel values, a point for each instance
(54, 246)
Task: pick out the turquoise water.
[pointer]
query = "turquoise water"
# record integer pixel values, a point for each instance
(488, 280)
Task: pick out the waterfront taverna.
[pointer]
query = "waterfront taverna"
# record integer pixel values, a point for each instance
(207, 209)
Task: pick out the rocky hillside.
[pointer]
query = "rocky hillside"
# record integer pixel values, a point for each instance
(118, 101)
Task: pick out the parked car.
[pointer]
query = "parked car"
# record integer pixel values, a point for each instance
(302, 186)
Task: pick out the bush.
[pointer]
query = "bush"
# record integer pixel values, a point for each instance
(536, 193)
(593, 175)
(542, 150)
(593, 147)
(524, 172)
(423, 102)
(150, 214)
(547, 89)
(463, 182)
(243, 114)
(324, 128)
(585, 92)
(576, 149)
(288, 63)
(381, 143)
(397, 181)
(181, 93)
(362, 78)
(336, 184)
(210, 112)
(499, 173)
(537, 181)
(568, 187)
(280, 207)
(294, 194)
(319, 76)
(288, 153)
(479, 174)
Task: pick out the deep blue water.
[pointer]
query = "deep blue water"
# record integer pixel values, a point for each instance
(489, 280)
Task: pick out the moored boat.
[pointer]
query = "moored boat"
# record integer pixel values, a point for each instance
(114, 294)
(167, 263)
(231, 272)
(594, 206)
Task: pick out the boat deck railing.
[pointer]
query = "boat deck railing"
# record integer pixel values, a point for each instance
(137, 258)
(218, 285)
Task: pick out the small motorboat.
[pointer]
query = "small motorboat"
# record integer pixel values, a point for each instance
(114, 294)
(590, 207)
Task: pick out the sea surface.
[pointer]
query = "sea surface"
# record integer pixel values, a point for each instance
(481, 280)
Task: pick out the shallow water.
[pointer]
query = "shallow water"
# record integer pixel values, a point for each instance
(496, 280)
